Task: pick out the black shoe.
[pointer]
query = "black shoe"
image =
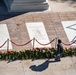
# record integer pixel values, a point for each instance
(33, 59)
(57, 60)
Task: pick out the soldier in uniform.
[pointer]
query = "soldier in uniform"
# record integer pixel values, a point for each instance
(59, 50)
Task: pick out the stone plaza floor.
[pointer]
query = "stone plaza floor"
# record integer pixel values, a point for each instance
(52, 19)
(67, 66)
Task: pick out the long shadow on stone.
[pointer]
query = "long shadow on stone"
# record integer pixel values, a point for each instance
(42, 66)
(9, 61)
(9, 15)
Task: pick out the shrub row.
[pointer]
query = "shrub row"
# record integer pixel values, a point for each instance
(36, 53)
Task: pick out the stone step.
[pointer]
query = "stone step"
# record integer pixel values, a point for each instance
(29, 4)
(29, 0)
(26, 5)
(29, 7)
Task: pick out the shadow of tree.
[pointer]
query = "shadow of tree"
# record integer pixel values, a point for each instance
(42, 66)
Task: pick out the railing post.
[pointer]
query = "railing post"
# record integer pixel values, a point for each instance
(33, 43)
(33, 48)
(7, 45)
(56, 42)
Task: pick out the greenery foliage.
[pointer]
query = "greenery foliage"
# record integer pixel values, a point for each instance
(38, 53)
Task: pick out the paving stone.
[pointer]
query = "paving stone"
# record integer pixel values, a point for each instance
(39, 67)
(27, 67)
(11, 68)
(74, 61)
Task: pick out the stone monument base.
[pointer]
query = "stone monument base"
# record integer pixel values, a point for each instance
(26, 5)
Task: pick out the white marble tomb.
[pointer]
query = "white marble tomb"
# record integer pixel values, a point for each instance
(70, 30)
(37, 30)
(4, 35)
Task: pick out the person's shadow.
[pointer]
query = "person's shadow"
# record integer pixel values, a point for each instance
(42, 66)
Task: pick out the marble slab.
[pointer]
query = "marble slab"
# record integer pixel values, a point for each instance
(37, 30)
(4, 35)
(70, 30)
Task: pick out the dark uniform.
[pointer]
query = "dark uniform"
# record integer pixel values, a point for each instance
(59, 50)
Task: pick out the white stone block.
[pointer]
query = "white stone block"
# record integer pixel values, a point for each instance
(37, 30)
(26, 5)
(4, 35)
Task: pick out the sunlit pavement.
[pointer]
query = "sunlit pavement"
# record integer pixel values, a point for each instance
(18, 33)
(67, 66)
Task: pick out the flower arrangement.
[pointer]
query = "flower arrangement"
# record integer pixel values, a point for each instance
(37, 53)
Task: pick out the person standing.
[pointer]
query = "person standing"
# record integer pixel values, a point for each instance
(59, 50)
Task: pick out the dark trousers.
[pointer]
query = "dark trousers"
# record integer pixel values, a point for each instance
(58, 57)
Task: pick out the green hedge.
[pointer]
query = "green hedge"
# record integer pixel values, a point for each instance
(38, 53)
